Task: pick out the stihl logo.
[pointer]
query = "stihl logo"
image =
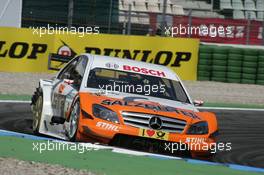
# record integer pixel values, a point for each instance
(144, 71)
(107, 126)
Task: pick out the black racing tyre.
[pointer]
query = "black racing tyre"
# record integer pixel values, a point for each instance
(205, 49)
(261, 51)
(232, 56)
(260, 82)
(205, 61)
(221, 50)
(205, 56)
(235, 50)
(219, 68)
(248, 76)
(250, 64)
(219, 79)
(74, 121)
(261, 58)
(204, 73)
(37, 108)
(204, 68)
(233, 80)
(248, 81)
(234, 75)
(252, 52)
(261, 70)
(216, 74)
(249, 70)
(237, 63)
(219, 62)
(202, 78)
(217, 56)
(234, 69)
(260, 77)
(260, 65)
(250, 58)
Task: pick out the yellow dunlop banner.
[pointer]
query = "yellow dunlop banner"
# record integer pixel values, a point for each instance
(21, 50)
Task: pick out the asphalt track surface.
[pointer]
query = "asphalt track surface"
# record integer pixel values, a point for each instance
(244, 129)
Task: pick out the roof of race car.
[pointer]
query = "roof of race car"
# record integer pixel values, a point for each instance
(132, 66)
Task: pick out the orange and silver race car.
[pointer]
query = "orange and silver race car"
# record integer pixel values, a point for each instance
(124, 103)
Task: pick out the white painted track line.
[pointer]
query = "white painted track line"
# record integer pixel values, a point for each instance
(14, 101)
(235, 109)
(216, 108)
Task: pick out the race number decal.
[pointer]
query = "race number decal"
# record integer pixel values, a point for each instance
(161, 135)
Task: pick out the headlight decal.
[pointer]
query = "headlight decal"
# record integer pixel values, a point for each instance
(104, 113)
(198, 128)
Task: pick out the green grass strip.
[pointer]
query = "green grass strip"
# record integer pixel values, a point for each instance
(107, 162)
(14, 97)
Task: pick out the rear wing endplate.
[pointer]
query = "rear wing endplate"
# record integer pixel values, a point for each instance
(56, 61)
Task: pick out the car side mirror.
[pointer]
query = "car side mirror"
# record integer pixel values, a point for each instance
(198, 103)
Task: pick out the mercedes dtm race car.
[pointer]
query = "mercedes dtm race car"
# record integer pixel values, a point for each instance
(122, 102)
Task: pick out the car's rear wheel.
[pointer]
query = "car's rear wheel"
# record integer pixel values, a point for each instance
(74, 121)
(37, 107)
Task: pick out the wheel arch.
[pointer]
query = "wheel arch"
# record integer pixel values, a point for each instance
(45, 86)
(68, 113)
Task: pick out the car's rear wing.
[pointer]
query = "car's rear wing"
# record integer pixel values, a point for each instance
(56, 61)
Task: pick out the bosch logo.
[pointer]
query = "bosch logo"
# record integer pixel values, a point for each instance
(144, 71)
(155, 123)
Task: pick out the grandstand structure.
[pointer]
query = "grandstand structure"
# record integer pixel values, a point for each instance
(146, 17)
(244, 9)
(173, 7)
(225, 9)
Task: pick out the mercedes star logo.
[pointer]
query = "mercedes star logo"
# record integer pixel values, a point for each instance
(155, 122)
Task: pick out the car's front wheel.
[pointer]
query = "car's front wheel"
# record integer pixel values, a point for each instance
(37, 107)
(74, 121)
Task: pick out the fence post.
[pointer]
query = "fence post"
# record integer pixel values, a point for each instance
(163, 23)
(70, 13)
(263, 30)
(248, 29)
(129, 19)
(110, 16)
(124, 26)
(190, 23)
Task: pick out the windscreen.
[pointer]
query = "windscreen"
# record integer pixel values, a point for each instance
(109, 80)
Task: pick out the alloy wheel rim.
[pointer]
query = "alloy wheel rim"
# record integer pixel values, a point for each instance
(38, 112)
(73, 121)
